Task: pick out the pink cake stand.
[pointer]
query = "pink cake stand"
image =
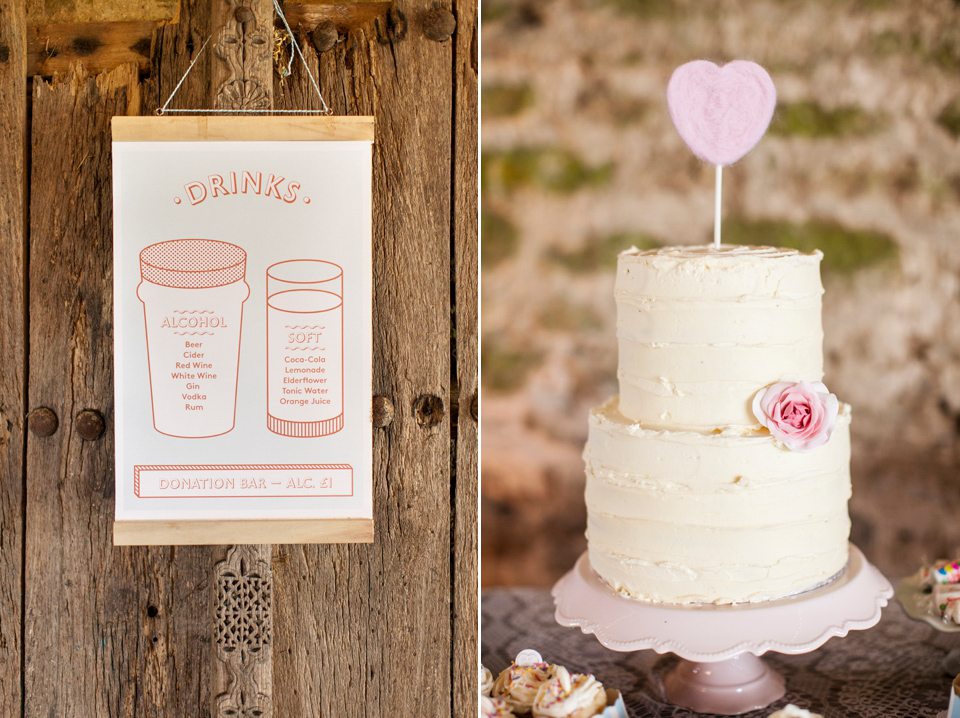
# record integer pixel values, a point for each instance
(720, 671)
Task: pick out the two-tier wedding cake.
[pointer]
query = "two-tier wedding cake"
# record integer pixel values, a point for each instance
(721, 472)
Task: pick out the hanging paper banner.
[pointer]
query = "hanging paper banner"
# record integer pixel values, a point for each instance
(242, 329)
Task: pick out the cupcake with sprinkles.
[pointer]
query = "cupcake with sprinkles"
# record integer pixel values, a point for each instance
(486, 681)
(570, 696)
(494, 708)
(519, 683)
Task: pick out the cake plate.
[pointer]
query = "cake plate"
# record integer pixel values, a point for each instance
(720, 671)
(918, 604)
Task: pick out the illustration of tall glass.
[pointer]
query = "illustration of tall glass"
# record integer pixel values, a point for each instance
(304, 348)
(193, 292)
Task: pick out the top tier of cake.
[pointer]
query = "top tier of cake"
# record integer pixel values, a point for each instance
(702, 330)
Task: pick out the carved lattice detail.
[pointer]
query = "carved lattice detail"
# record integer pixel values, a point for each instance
(244, 631)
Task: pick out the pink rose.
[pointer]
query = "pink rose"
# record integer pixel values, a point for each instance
(802, 415)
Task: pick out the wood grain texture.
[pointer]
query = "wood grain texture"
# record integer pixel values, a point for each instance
(345, 15)
(44, 12)
(211, 533)
(239, 128)
(100, 46)
(241, 76)
(13, 124)
(365, 630)
(109, 631)
(465, 250)
(243, 620)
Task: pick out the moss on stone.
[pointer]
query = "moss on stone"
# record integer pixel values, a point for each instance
(601, 253)
(499, 238)
(949, 118)
(845, 250)
(942, 51)
(550, 168)
(506, 100)
(505, 369)
(565, 316)
(810, 119)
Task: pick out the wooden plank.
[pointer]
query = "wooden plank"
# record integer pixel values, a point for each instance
(241, 76)
(215, 129)
(346, 14)
(199, 533)
(108, 631)
(13, 127)
(44, 12)
(100, 46)
(465, 250)
(365, 630)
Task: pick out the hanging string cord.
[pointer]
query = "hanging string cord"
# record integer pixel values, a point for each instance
(175, 89)
(294, 47)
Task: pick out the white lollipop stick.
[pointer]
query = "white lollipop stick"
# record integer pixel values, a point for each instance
(716, 209)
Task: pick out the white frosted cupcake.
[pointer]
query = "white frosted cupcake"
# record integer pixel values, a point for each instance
(791, 711)
(518, 684)
(494, 708)
(570, 696)
(486, 681)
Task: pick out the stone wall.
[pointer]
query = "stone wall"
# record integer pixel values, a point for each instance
(580, 160)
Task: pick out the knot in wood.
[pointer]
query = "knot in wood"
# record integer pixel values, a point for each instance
(325, 36)
(243, 15)
(428, 410)
(439, 24)
(382, 412)
(396, 28)
(43, 422)
(90, 424)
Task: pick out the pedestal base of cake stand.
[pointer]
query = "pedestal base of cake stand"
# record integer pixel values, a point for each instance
(720, 671)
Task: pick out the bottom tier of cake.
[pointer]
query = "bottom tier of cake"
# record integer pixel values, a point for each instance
(727, 516)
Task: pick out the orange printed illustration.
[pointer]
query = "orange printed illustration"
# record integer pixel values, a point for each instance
(193, 292)
(304, 348)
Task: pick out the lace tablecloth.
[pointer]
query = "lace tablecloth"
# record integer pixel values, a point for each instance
(892, 670)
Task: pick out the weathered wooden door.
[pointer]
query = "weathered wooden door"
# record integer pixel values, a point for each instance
(388, 629)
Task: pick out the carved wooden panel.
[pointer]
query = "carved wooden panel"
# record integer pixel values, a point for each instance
(243, 44)
(243, 626)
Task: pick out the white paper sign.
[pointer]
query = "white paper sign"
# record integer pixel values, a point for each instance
(242, 310)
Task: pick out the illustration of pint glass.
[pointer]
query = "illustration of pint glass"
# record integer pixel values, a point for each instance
(304, 348)
(193, 292)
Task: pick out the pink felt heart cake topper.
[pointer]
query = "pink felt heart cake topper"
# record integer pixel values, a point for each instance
(721, 112)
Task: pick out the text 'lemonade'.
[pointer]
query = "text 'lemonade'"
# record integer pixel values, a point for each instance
(304, 348)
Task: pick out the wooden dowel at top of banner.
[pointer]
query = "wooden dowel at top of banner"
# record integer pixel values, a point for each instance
(289, 128)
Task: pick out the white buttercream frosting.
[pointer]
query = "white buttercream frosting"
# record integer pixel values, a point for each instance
(700, 331)
(792, 711)
(494, 708)
(570, 696)
(486, 681)
(689, 499)
(518, 684)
